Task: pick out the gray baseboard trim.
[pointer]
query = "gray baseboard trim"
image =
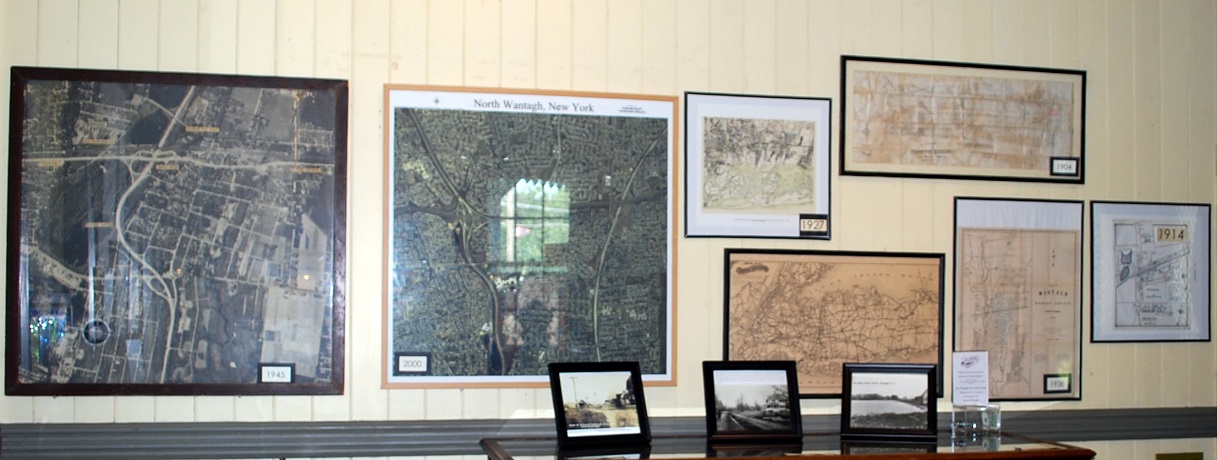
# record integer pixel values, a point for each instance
(460, 437)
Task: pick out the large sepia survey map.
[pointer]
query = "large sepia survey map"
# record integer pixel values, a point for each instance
(758, 166)
(178, 233)
(1017, 297)
(824, 309)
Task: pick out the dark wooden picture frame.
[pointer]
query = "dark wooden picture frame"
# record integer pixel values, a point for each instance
(599, 405)
(175, 234)
(881, 400)
(752, 401)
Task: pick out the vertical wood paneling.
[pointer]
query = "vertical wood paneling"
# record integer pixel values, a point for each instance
(885, 28)
(407, 41)
(94, 410)
(1147, 100)
(173, 409)
(295, 37)
(623, 30)
(1063, 19)
(555, 51)
(100, 25)
(480, 403)
(1119, 101)
(294, 408)
(978, 32)
(178, 37)
(332, 49)
(518, 51)
(407, 405)
(57, 40)
(659, 47)
(917, 29)
(589, 40)
(20, 45)
(255, 410)
(855, 31)
(444, 404)
(138, 29)
(947, 30)
(1202, 137)
(140, 409)
(760, 63)
(726, 37)
(516, 404)
(218, 36)
(256, 37)
(792, 70)
(693, 45)
(482, 52)
(445, 42)
(215, 408)
(824, 59)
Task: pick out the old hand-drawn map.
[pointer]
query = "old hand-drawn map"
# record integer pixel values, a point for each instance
(1017, 298)
(1153, 264)
(755, 165)
(824, 309)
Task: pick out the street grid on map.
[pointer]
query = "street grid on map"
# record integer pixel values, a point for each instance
(1153, 264)
(757, 165)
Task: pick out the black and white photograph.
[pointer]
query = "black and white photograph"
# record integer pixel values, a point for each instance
(888, 400)
(751, 400)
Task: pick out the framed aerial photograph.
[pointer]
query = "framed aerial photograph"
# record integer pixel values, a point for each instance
(885, 400)
(175, 234)
(752, 401)
(1150, 268)
(916, 118)
(525, 228)
(1018, 294)
(599, 404)
(757, 166)
(825, 308)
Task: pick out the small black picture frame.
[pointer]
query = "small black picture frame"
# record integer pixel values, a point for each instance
(889, 401)
(598, 405)
(752, 402)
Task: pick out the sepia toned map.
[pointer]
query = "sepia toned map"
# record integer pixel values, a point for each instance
(1153, 269)
(1017, 297)
(825, 309)
(758, 165)
(956, 124)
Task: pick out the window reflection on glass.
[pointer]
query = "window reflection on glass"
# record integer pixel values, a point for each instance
(535, 217)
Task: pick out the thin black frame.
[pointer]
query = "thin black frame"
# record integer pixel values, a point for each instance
(1103, 262)
(813, 222)
(633, 388)
(767, 430)
(926, 429)
(1068, 168)
(1012, 214)
(330, 196)
(829, 391)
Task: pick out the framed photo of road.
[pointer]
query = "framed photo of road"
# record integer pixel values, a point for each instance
(752, 401)
(175, 234)
(598, 405)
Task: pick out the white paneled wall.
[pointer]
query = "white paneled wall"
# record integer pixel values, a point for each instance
(1151, 135)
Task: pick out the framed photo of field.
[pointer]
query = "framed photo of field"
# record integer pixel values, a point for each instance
(599, 404)
(882, 400)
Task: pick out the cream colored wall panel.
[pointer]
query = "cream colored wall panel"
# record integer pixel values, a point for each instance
(824, 60)
(1202, 104)
(977, 30)
(1147, 100)
(365, 174)
(760, 38)
(215, 408)
(623, 57)
(178, 36)
(255, 410)
(792, 68)
(407, 405)
(173, 409)
(885, 24)
(138, 30)
(525, 403)
(915, 227)
(1174, 153)
(333, 43)
(917, 29)
(100, 23)
(54, 410)
(948, 30)
(295, 38)
(218, 36)
(481, 403)
(589, 38)
(256, 37)
(482, 54)
(726, 38)
(659, 56)
(445, 43)
(693, 46)
(16, 410)
(294, 408)
(1121, 111)
(1063, 31)
(444, 404)
(1093, 52)
(406, 41)
(856, 28)
(555, 50)
(138, 409)
(57, 34)
(19, 19)
(1176, 383)
(94, 410)
(518, 51)
(1148, 359)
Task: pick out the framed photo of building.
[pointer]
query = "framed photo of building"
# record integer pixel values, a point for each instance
(753, 402)
(175, 234)
(1018, 291)
(916, 118)
(525, 228)
(598, 405)
(757, 166)
(1150, 268)
(886, 400)
(825, 308)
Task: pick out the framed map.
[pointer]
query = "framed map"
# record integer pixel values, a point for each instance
(822, 309)
(175, 234)
(912, 118)
(757, 166)
(1150, 268)
(526, 228)
(1018, 294)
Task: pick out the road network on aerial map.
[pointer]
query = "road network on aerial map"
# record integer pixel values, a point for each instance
(177, 232)
(825, 309)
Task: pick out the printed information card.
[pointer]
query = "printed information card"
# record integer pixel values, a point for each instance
(970, 378)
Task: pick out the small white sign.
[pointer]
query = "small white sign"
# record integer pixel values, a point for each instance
(1064, 166)
(411, 364)
(1057, 383)
(276, 373)
(970, 378)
